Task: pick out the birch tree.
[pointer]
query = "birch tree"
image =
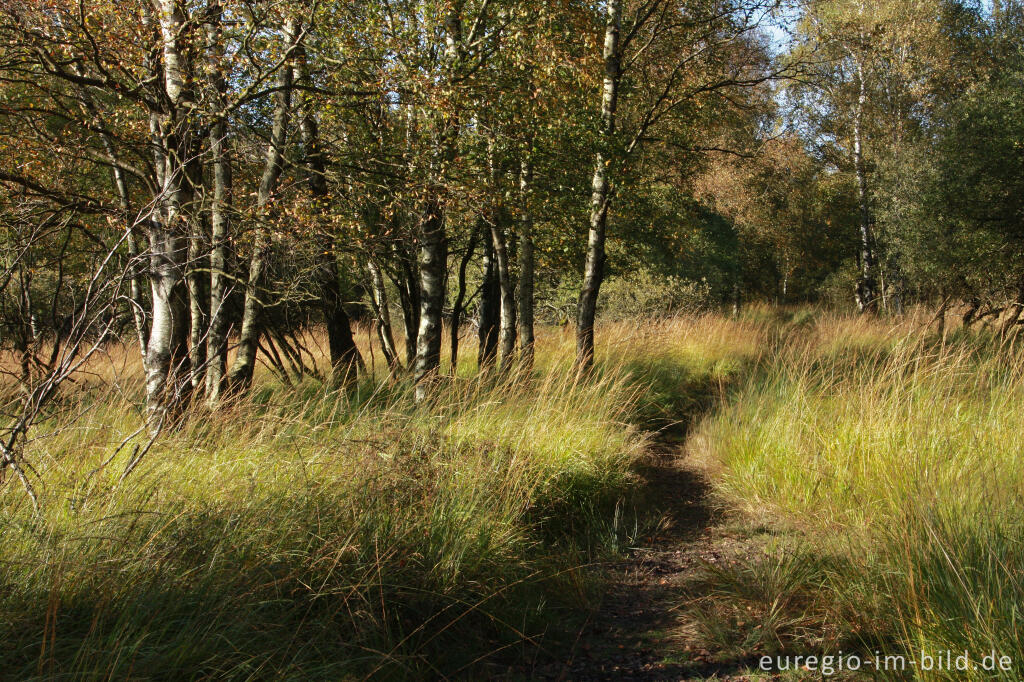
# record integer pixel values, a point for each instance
(677, 58)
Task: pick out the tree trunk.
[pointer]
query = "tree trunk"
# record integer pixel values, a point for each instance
(433, 266)
(867, 293)
(460, 297)
(382, 313)
(407, 277)
(433, 240)
(489, 309)
(785, 279)
(135, 281)
(895, 287)
(199, 305)
(167, 359)
(1015, 311)
(498, 222)
(345, 358)
(526, 264)
(26, 335)
(940, 317)
(220, 213)
(408, 286)
(220, 209)
(507, 324)
(601, 196)
(969, 315)
(135, 292)
(249, 335)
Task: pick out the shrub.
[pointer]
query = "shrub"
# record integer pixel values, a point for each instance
(646, 295)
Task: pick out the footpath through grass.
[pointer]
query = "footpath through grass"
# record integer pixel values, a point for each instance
(310, 534)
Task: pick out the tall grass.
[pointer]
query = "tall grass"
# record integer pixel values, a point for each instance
(902, 454)
(312, 533)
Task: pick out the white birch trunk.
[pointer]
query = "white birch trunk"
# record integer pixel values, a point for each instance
(600, 198)
(526, 264)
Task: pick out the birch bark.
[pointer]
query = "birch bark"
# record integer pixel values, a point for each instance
(601, 195)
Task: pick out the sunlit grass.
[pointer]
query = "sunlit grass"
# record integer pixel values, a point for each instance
(312, 532)
(900, 452)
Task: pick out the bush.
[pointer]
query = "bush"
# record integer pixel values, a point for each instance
(837, 290)
(644, 294)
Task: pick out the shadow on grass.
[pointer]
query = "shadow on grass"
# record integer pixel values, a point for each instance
(686, 602)
(667, 509)
(407, 580)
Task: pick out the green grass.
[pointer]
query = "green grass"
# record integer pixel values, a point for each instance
(896, 459)
(303, 535)
(313, 534)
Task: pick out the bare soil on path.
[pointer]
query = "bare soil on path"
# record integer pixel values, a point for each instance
(637, 633)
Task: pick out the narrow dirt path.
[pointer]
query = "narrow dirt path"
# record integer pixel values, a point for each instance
(635, 633)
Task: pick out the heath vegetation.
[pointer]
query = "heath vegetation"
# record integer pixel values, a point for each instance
(367, 338)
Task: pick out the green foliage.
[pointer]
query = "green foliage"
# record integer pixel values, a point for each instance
(669, 234)
(958, 197)
(644, 295)
(794, 222)
(837, 289)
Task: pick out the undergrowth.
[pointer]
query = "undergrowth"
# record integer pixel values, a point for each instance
(314, 533)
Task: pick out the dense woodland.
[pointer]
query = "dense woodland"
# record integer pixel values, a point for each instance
(406, 194)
